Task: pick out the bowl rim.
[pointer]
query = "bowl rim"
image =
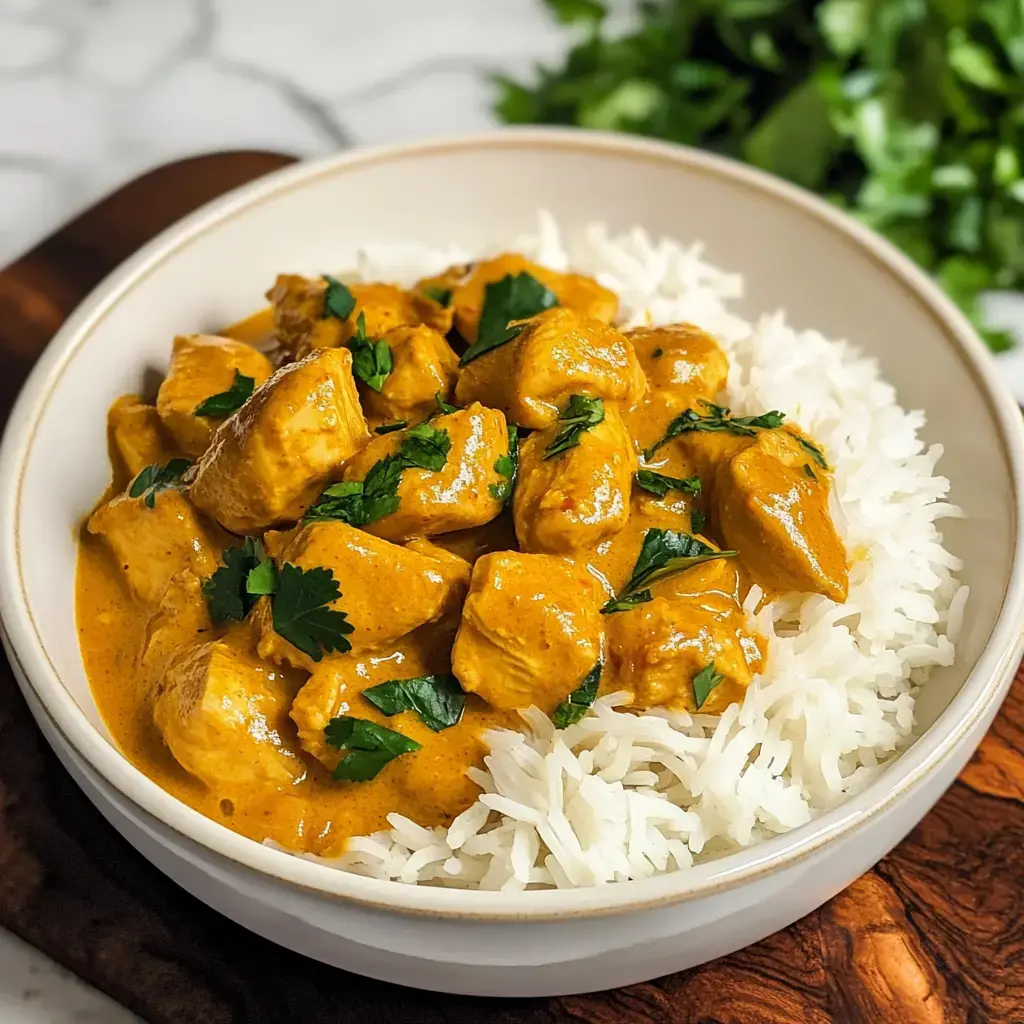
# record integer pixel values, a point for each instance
(982, 690)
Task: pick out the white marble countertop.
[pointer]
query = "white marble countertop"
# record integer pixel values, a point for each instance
(94, 92)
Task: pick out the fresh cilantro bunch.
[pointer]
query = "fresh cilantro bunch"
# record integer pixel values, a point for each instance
(907, 113)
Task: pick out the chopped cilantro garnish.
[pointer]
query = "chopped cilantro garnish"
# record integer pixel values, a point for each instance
(226, 402)
(228, 593)
(813, 450)
(438, 700)
(507, 466)
(301, 613)
(663, 553)
(717, 419)
(155, 478)
(338, 300)
(579, 702)
(514, 297)
(697, 520)
(360, 502)
(370, 747)
(443, 406)
(809, 472)
(372, 361)
(390, 428)
(659, 484)
(704, 682)
(581, 414)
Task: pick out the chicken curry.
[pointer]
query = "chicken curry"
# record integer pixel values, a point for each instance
(360, 528)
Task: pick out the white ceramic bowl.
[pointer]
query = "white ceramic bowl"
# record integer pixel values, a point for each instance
(211, 268)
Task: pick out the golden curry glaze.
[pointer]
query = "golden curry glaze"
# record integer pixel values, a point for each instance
(354, 452)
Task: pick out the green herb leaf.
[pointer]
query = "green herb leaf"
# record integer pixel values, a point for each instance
(698, 520)
(663, 553)
(581, 414)
(704, 682)
(812, 450)
(262, 580)
(227, 594)
(623, 604)
(442, 296)
(514, 297)
(571, 12)
(659, 484)
(507, 466)
(657, 353)
(438, 700)
(226, 402)
(370, 747)
(579, 702)
(426, 447)
(338, 300)
(155, 478)
(301, 614)
(360, 502)
(444, 407)
(716, 419)
(372, 361)
(390, 428)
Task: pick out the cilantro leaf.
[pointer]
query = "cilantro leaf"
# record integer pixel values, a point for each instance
(659, 484)
(812, 450)
(581, 414)
(443, 406)
(704, 682)
(262, 579)
(442, 296)
(301, 615)
(156, 478)
(579, 702)
(425, 447)
(370, 747)
(697, 520)
(514, 297)
(360, 502)
(717, 419)
(226, 402)
(390, 428)
(338, 300)
(507, 466)
(438, 700)
(227, 594)
(808, 472)
(663, 553)
(372, 361)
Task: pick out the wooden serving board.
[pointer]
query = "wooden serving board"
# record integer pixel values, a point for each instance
(934, 934)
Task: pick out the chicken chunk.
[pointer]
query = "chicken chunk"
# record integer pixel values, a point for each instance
(224, 717)
(531, 630)
(182, 620)
(386, 590)
(270, 461)
(574, 291)
(657, 649)
(136, 437)
(300, 323)
(573, 500)
(682, 364)
(430, 782)
(559, 353)
(771, 501)
(203, 365)
(439, 289)
(152, 544)
(424, 366)
(459, 495)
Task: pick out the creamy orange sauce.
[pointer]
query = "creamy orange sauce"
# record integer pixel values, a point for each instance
(317, 814)
(248, 712)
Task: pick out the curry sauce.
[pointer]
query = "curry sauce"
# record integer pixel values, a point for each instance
(328, 564)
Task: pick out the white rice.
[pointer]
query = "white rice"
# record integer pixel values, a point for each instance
(621, 796)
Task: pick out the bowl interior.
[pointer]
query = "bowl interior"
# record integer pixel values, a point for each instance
(217, 267)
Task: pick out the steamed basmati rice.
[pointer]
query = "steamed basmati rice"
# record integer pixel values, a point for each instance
(622, 796)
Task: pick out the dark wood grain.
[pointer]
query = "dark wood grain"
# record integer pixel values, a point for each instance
(934, 935)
